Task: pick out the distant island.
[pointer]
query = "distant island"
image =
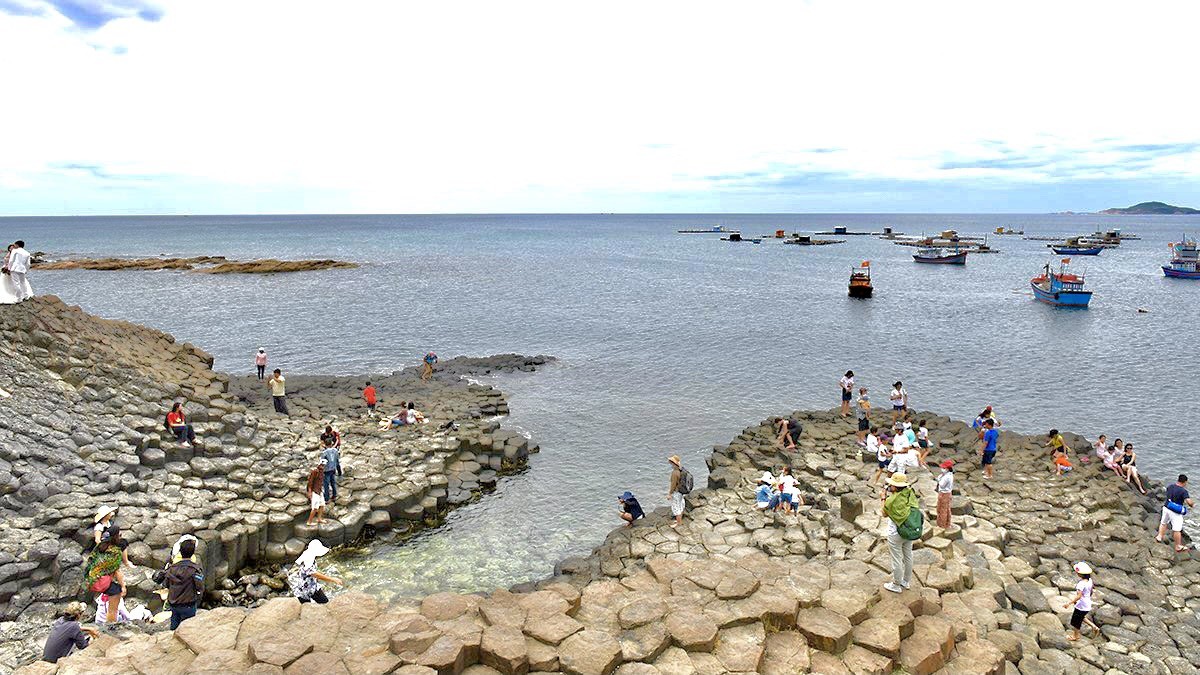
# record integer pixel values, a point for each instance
(1151, 209)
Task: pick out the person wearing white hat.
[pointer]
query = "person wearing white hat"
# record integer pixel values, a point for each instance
(1082, 600)
(766, 496)
(305, 579)
(103, 521)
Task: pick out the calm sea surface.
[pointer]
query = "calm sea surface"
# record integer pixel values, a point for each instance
(669, 343)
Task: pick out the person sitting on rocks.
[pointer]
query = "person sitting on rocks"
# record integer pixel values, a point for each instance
(313, 490)
(789, 432)
(66, 634)
(305, 580)
(1105, 454)
(103, 573)
(414, 416)
(330, 438)
(1060, 463)
(1173, 511)
(177, 422)
(397, 419)
(631, 510)
(1129, 464)
(1082, 601)
(185, 584)
(766, 496)
(882, 452)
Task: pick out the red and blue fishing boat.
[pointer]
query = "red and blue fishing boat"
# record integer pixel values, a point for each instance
(940, 256)
(1061, 288)
(1185, 257)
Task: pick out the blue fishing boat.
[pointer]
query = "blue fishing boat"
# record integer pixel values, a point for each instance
(1076, 250)
(1061, 288)
(1185, 261)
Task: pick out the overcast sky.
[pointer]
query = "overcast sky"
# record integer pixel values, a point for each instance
(126, 106)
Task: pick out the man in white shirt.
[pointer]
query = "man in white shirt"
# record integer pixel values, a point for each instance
(903, 456)
(18, 267)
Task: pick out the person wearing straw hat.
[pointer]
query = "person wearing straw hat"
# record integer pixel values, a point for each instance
(898, 501)
(677, 489)
(305, 580)
(66, 634)
(1082, 600)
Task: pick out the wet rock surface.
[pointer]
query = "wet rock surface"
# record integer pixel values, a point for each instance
(206, 264)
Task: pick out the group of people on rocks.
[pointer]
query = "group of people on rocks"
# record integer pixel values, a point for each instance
(780, 494)
(14, 279)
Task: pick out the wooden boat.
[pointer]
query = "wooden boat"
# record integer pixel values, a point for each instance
(860, 280)
(715, 229)
(1075, 250)
(1061, 288)
(940, 256)
(1006, 230)
(1185, 261)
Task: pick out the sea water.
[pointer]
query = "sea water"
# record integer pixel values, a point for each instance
(669, 343)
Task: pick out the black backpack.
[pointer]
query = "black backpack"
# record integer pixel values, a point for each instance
(685, 482)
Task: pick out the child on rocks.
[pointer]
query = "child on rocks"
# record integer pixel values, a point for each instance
(1061, 463)
(882, 452)
(1082, 601)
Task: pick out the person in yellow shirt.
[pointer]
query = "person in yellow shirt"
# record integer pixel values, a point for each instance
(278, 386)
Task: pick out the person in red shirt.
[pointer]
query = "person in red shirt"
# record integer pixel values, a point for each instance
(179, 426)
(369, 396)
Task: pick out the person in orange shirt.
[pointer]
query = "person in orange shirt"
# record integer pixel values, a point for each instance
(369, 396)
(179, 426)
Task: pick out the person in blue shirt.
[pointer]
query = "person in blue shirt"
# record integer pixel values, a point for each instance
(1178, 503)
(989, 444)
(766, 496)
(631, 510)
(333, 468)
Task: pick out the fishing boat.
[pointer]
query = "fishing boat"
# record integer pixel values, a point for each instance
(1075, 250)
(941, 256)
(860, 280)
(715, 229)
(1007, 230)
(737, 236)
(1185, 261)
(1061, 288)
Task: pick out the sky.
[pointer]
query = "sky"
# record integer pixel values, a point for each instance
(165, 107)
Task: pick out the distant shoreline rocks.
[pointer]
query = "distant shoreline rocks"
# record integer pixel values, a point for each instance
(204, 264)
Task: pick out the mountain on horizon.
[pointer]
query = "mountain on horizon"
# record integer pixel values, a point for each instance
(1151, 209)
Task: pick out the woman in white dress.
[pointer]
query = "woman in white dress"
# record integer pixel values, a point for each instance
(9, 293)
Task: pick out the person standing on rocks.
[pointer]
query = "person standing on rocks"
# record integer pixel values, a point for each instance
(427, 366)
(631, 510)
(899, 398)
(332, 459)
(370, 397)
(847, 384)
(185, 584)
(177, 421)
(103, 574)
(278, 386)
(1178, 503)
(862, 411)
(305, 580)
(313, 490)
(680, 485)
(883, 454)
(989, 444)
(1082, 600)
(19, 262)
(66, 634)
(945, 486)
(260, 363)
(899, 502)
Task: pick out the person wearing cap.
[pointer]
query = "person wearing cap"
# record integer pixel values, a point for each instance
(260, 363)
(765, 495)
(313, 491)
(945, 486)
(1082, 600)
(66, 633)
(675, 490)
(631, 510)
(305, 580)
(898, 499)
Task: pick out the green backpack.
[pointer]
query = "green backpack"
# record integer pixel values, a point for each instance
(913, 525)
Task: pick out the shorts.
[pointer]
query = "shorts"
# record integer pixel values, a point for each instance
(1077, 618)
(989, 457)
(113, 589)
(864, 424)
(845, 395)
(318, 500)
(371, 407)
(899, 407)
(883, 463)
(1065, 468)
(922, 443)
(1175, 520)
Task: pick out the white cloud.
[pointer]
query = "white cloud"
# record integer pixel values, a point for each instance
(484, 106)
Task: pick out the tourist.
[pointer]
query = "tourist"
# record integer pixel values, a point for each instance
(904, 456)
(1129, 464)
(789, 429)
(305, 580)
(679, 486)
(12, 290)
(765, 494)
(66, 633)
(313, 490)
(883, 453)
(177, 421)
(1056, 441)
(103, 522)
(847, 384)
(329, 437)
(17, 263)
(898, 503)
(989, 445)
(899, 398)
(1082, 600)
(1105, 454)
(1118, 453)
(413, 415)
(260, 363)
(631, 510)
(862, 410)
(427, 368)
(790, 499)
(278, 386)
(177, 549)
(945, 486)
(370, 397)
(332, 459)
(1060, 463)
(103, 573)
(922, 441)
(185, 584)
(1173, 511)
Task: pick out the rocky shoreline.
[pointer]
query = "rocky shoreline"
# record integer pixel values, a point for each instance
(82, 401)
(206, 264)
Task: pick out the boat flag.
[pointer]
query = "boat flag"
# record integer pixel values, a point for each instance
(1066, 261)
(866, 263)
